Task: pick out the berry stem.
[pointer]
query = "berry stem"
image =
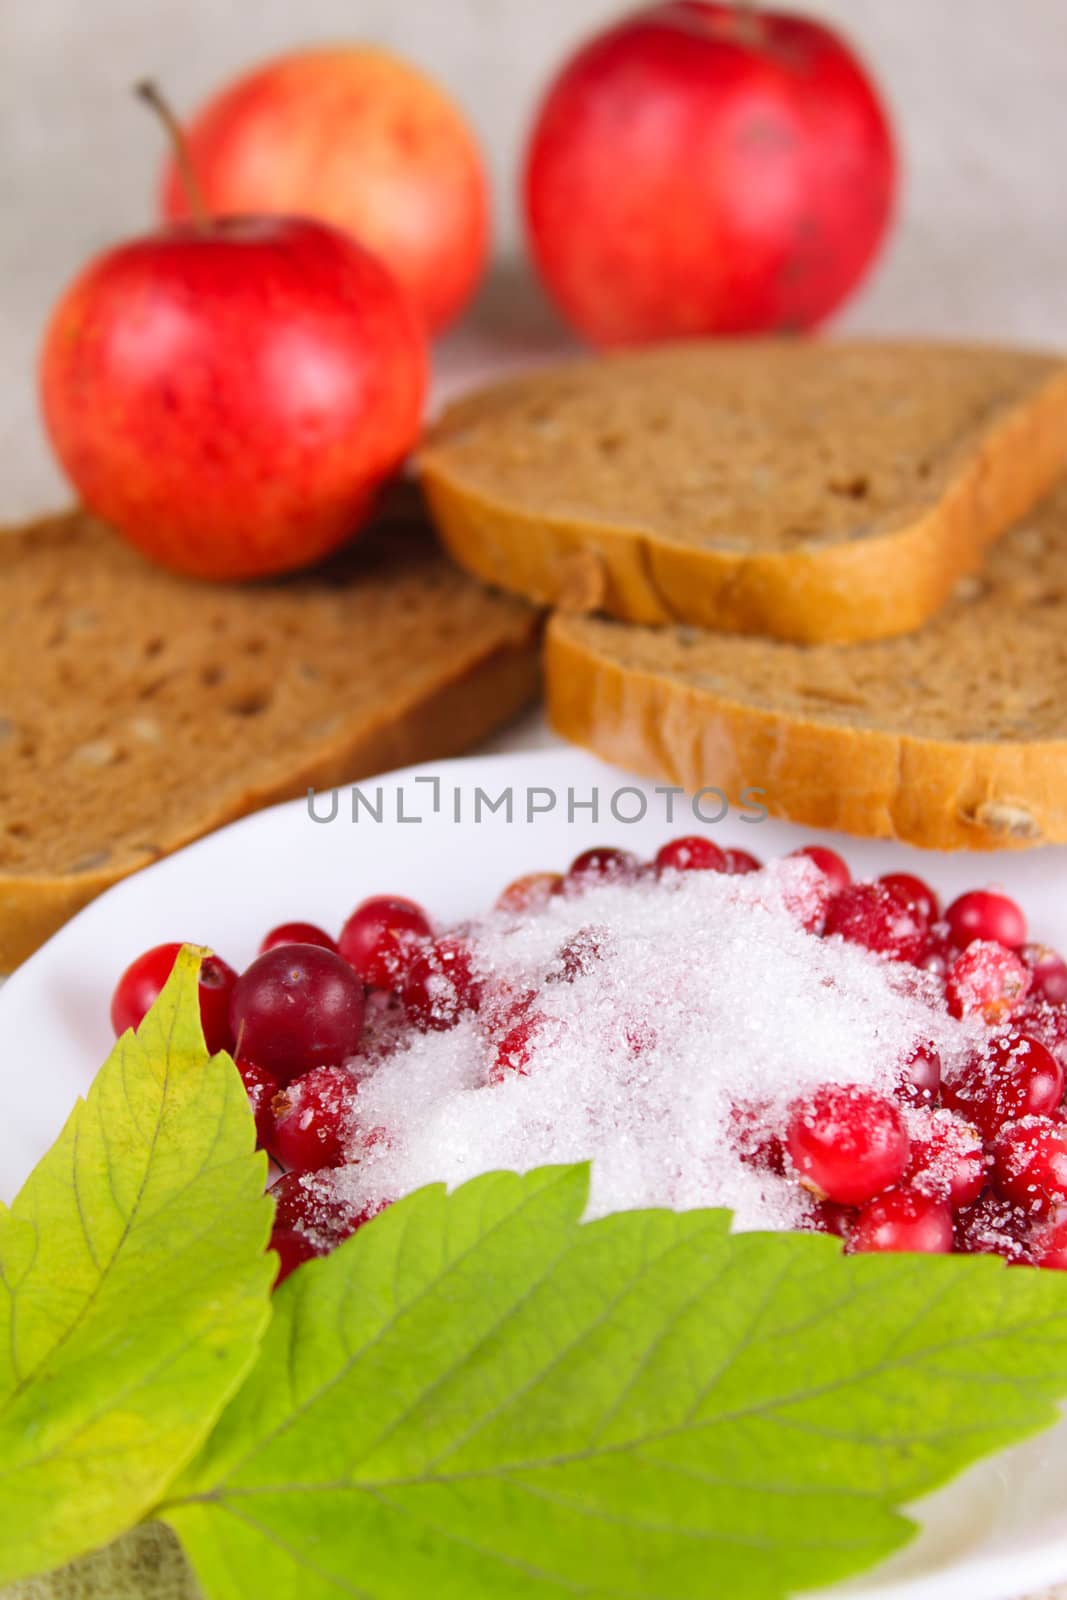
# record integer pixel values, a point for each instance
(150, 93)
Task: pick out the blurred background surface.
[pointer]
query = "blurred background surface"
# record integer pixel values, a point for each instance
(978, 90)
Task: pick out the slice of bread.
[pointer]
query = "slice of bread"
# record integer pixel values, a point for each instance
(801, 490)
(139, 710)
(954, 738)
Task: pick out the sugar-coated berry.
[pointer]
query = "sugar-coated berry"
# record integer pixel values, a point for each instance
(903, 1220)
(309, 1203)
(939, 952)
(260, 1086)
(824, 1216)
(1013, 1076)
(984, 914)
(578, 955)
(920, 1076)
(513, 1052)
(1049, 1245)
(314, 1120)
(1030, 1164)
(1048, 973)
(295, 1008)
(829, 863)
(532, 892)
(296, 933)
(1045, 1023)
(994, 1227)
(382, 938)
(602, 864)
(310, 1219)
(948, 1160)
(807, 901)
(914, 892)
(847, 1143)
(738, 862)
(986, 980)
(755, 1137)
(869, 914)
(693, 853)
(441, 984)
(141, 984)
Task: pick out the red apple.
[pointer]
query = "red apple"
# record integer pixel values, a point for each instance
(229, 396)
(359, 139)
(707, 169)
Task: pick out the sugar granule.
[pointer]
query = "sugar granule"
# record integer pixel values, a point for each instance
(673, 1014)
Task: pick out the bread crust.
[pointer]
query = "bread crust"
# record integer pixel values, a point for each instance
(886, 583)
(881, 783)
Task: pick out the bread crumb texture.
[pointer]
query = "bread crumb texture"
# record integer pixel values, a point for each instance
(139, 710)
(806, 490)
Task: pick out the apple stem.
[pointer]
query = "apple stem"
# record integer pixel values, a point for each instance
(749, 22)
(149, 92)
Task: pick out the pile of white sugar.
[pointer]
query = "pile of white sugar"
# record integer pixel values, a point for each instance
(695, 994)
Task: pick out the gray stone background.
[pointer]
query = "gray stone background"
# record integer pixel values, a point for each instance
(978, 87)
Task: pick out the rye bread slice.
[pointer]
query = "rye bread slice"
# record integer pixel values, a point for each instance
(954, 738)
(801, 490)
(139, 710)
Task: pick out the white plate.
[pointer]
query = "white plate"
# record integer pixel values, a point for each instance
(998, 1532)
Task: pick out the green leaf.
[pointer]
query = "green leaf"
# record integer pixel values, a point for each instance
(134, 1288)
(477, 1396)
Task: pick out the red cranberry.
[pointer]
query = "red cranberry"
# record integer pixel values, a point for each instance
(694, 853)
(1046, 1023)
(807, 901)
(295, 1008)
(503, 1005)
(260, 1086)
(920, 1077)
(914, 892)
(292, 1249)
(140, 985)
(948, 1160)
(847, 1143)
(602, 864)
(314, 1119)
(1030, 1164)
(1048, 973)
(757, 1141)
(823, 1216)
(308, 1203)
(902, 1220)
(738, 862)
(578, 955)
(829, 863)
(512, 1058)
(869, 914)
(986, 981)
(297, 933)
(983, 914)
(939, 952)
(531, 892)
(440, 984)
(993, 1227)
(1050, 1245)
(382, 938)
(1013, 1077)
(310, 1221)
